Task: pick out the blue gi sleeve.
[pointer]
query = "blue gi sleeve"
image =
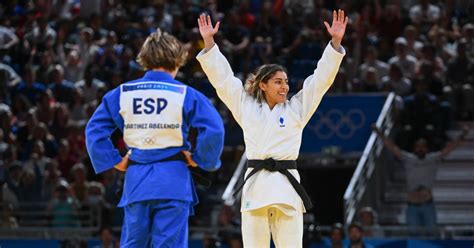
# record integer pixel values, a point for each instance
(210, 139)
(100, 127)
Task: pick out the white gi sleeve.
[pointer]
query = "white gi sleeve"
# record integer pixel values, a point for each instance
(229, 88)
(315, 86)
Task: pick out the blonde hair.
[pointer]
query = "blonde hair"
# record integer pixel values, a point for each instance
(162, 50)
(261, 74)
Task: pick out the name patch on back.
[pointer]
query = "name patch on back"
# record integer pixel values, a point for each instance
(152, 114)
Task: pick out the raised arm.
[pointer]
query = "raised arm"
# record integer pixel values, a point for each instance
(207, 31)
(455, 143)
(315, 86)
(338, 28)
(394, 149)
(229, 88)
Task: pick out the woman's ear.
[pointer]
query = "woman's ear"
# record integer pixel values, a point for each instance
(262, 86)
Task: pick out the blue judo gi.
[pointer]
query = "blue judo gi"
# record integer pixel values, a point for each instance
(155, 114)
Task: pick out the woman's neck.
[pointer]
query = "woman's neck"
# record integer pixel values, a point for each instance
(271, 105)
(172, 73)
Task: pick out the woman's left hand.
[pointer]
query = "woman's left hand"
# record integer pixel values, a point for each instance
(338, 28)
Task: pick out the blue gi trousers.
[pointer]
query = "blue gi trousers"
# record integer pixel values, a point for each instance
(156, 223)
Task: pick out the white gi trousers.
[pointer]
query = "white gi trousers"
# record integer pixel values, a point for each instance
(285, 230)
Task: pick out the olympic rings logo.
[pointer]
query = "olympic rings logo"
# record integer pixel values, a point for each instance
(149, 140)
(335, 122)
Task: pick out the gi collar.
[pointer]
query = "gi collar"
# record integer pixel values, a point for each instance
(158, 76)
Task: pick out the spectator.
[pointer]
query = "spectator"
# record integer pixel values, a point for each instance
(41, 34)
(45, 107)
(20, 107)
(421, 110)
(424, 15)
(87, 48)
(7, 194)
(404, 60)
(8, 38)
(370, 82)
(76, 139)
(90, 85)
(59, 125)
(413, 44)
(52, 177)
(236, 40)
(73, 66)
(428, 55)
(460, 78)
(79, 185)
(420, 169)
(41, 133)
(228, 224)
(8, 220)
(341, 83)
(371, 61)
(107, 238)
(65, 158)
(7, 124)
(37, 158)
(30, 87)
(30, 186)
(396, 82)
(8, 77)
(356, 237)
(336, 236)
(96, 205)
(468, 34)
(13, 179)
(63, 207)
(46, 65)
(62, 89)
(368, 219)
(76, 108)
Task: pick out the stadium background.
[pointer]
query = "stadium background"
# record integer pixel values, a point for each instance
(59, 57)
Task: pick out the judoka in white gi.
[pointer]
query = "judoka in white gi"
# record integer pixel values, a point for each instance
(155, 114)
(273, 127)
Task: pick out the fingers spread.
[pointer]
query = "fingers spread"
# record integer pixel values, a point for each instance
(327, 26)
(209, 20)
(199, 22)
(216, 28)
(202, 18)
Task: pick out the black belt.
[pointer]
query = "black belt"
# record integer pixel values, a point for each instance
(281, 166)
(197, 177)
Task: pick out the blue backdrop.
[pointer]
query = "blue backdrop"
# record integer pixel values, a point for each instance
(342, 121)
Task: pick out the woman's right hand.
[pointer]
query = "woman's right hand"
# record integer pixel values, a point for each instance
(207, 31)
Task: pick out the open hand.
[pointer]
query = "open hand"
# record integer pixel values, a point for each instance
(207, 30)
(338, 28)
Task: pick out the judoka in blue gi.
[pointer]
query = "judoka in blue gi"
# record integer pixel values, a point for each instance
(155, 114)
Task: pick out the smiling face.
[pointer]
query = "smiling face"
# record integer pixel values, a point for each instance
(275, 89)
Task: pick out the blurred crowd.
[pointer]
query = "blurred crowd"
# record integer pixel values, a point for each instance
(59, 57)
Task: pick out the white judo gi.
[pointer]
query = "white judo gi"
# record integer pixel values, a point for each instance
(270, 204)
